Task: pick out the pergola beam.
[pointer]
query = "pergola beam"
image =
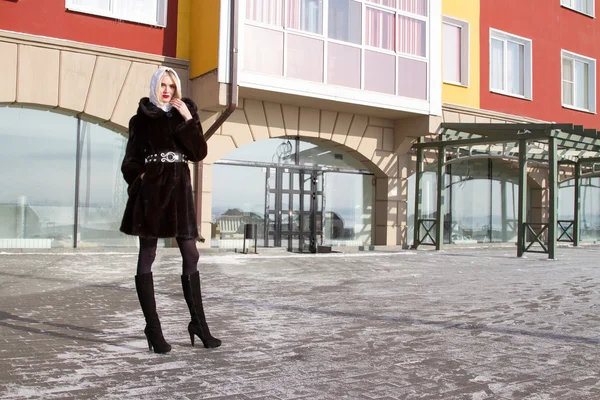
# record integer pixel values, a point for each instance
(558, 144)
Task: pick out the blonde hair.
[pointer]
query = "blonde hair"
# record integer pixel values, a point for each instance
(175, 78)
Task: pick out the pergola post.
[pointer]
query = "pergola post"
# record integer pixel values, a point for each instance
(522, 211)
(577, 204)
(439, 218)
(552, 192)
(418, 194)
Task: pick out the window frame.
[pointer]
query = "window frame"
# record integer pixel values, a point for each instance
(591, 4)
(527, 63)
(161, 13)
(420, 14)
(465, 50)
(591, 84)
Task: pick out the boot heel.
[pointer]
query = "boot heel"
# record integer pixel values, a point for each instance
(192, 338)
(149, 343)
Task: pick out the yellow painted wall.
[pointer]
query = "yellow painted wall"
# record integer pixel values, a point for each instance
(202, 25)
(184, 8)
(466, 10)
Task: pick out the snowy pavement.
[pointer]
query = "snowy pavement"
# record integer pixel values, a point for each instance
(456, 324)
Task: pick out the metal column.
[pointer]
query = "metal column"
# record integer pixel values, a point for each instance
(552, 192)
(522, 212)
(441, 178)
(418, 177)
(577, 204)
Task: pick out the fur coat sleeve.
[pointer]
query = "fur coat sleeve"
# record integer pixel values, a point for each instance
(133, 162)
(189, 135)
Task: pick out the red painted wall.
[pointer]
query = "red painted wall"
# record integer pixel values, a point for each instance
(51, 18)
(551, 28)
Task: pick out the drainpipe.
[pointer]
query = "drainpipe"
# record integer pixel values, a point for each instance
(232, 99)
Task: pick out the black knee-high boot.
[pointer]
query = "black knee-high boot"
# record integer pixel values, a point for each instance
(144, 285)
(193, 298)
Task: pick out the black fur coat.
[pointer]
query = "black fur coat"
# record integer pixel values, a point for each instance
(161, 204)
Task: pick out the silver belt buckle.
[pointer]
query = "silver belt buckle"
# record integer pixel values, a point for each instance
(169, 156)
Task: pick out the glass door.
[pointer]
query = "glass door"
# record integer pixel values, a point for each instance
(294, 209)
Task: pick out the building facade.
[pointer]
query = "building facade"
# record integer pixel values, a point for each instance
(332, 95)
(520, 62)
(73, 74)
(324, 100)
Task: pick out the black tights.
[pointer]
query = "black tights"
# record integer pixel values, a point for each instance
(187, 247)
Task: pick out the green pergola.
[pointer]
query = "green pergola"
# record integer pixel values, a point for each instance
(545, 144)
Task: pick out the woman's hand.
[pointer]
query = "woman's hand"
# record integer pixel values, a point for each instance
(182, 108)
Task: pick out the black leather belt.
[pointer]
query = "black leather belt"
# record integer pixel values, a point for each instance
(166, 157)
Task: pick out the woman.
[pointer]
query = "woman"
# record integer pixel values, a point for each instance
(164, 135)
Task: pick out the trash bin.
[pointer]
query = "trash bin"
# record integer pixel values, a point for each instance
(250, 232)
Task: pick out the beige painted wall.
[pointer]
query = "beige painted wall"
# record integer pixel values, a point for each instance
(101, 83)
(370, 140)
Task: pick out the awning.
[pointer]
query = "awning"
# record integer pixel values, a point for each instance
(574, 143)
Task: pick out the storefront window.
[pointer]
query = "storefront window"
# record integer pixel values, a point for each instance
(480, 202)
(278, 151)
(348, 209)
(238, 199)
(305, 193)
(37, 177)
(589, 219)
(102, 190)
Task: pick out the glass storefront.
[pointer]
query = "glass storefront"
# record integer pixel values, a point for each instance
(590, 207)
(294, 191)
(238, 199)
(481, 199)
(40, 175)
(348, 208)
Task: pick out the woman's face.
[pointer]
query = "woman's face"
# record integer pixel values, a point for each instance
(167, 89)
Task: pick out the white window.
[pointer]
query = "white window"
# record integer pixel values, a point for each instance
(583, 6)
(455, 43)
(305, 15)
(510, 64)
(344, 18)
(152, 12)
(578, 82)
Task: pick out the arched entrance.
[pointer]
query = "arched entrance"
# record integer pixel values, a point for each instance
(371, 142)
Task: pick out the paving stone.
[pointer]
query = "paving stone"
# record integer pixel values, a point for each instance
(474, 323)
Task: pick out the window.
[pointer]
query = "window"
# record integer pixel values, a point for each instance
(578, 82)
(455, 44)
(305, 15)
(412, 34)
(510, 64)
(372, 45)
(152, 12)
(265, 11)
(583, 6)
(344, 17)
(380, 29)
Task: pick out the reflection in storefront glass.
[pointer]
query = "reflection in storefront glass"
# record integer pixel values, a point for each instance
(238, 199)
(278, 151)
(283, 151)
(477, 209)
(102, 190)
(348, 209)
(37, 178)
(589, 218)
